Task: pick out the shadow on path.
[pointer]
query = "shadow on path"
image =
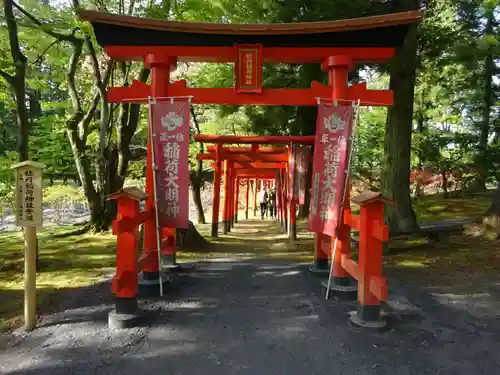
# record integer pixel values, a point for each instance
(257, 316)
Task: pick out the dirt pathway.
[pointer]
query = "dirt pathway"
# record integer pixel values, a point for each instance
(253, 315)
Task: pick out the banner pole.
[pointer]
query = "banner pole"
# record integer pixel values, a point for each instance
(155, 193)
(341, 213)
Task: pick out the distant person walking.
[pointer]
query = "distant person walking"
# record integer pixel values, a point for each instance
(272, 203)
(263, 196)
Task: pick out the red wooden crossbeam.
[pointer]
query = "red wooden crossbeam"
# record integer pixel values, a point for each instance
(270, 158)
(255, 139)
(255, 165)
(380, 231)
(139, 93)
(249, 150)
(351, 220)
(128, 224)
(122, 281)
(260, 175)
(378, 286)
(145, 259)
(350, 266)
(255, 171)
(118, 282)
(288, 55)
(259, 165)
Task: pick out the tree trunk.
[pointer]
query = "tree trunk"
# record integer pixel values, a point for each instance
(492, 215)
(304, 209)
(128, 120)
(196, 194)
(484, 131)
(18, 84)
(445, 185)
(494, 209)
(18, 81)
(196, 183)
(397, 142)
(309, 116)
(96, 206)
(99, 216)
(197, 177)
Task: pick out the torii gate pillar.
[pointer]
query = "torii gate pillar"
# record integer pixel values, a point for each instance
(338, 68)
(216, 193)
(160, 74)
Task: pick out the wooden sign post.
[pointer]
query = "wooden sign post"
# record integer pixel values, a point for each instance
(29, 215)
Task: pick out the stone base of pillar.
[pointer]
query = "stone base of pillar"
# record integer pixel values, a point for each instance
(320, 267)
(149, 284)
(292, 233)
(368, 318)
(215, 230)
(246, 215)
(342, 288)
(125, 315)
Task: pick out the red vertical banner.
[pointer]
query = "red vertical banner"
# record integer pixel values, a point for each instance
(301, 164)
(333, 130)
(170, 125)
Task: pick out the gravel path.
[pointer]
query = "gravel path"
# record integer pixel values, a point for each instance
(234, 316)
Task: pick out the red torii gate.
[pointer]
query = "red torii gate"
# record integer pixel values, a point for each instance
(243, 155)
(336, 45)
(253, 153)
(241, 171)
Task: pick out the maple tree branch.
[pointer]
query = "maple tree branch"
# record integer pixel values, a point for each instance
(40, 56)
(43, 26)
(8, 77)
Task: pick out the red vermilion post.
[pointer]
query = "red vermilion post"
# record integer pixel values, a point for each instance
(372, 287)
(160, 75)
(225, 210)
(216, 192)
(230, 197)
(247, 198)
(125, 283)
(285, 200)
(255, 191)
(278, 200)
(370, 260)
(292, 226)
(236, 199)
(338, 68)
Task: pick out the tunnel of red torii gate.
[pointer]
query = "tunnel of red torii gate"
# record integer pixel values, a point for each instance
(338, 46)
(256, 164)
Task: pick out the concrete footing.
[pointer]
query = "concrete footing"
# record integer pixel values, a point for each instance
(342, 289)
(149, 284)
(215, 230)
(368, 318)
(125, 315)
(320, 267)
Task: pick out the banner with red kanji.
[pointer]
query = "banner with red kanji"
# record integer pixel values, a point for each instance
(333, 130)
(170, 135)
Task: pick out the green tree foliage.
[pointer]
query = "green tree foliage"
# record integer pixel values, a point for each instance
(447, 122)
